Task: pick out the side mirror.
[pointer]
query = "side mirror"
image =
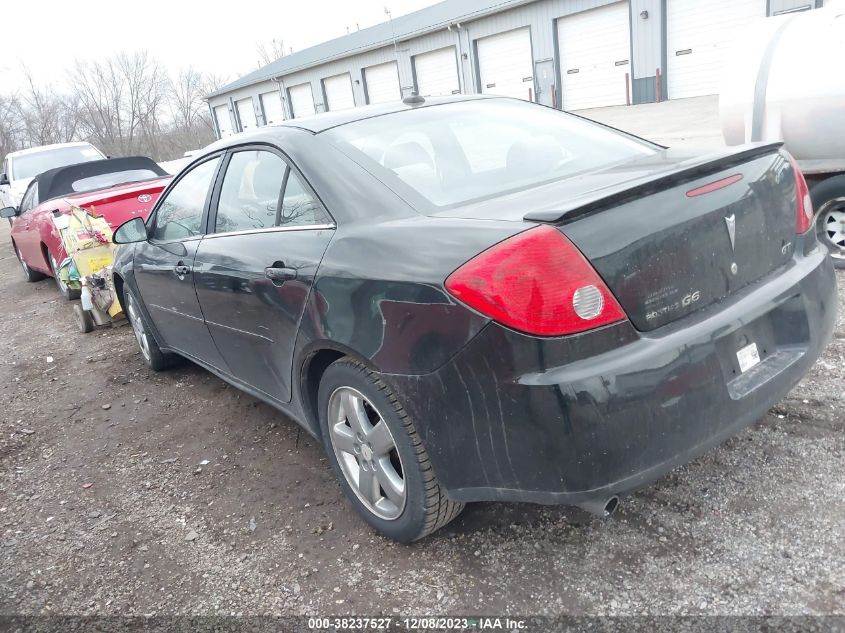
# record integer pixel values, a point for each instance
(8, 212)
(131, 231)
(4, 180)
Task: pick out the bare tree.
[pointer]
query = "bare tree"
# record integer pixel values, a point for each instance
(270, 51)
(121, 99)
(47, 116)
(125, 104)
(186, 98)
(11, 125)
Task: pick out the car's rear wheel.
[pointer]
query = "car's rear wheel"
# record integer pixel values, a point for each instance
(378, 456)
(154, 358)
(71, 294)
(28, 273)
(829, 202)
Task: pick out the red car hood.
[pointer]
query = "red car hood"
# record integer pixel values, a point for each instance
(123, 202)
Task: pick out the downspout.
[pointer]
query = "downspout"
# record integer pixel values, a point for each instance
(283, 96)
(461, 76)
(215, 125)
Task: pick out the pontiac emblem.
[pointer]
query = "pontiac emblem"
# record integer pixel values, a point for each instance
(730, 222)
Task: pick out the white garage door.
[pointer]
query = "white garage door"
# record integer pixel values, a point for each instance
(301, 100)
(437, 72)
(339, 92)
(271, 103)
(246, 113)
(505, 64)
(700, 34)
(224, 123)
(382, 83)
(594, 48)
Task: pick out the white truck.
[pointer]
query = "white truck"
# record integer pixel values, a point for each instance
(20, 167)
(785, 81)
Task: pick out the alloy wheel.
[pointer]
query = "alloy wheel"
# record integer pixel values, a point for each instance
(138, 327)
(833, 225)
(367, 454)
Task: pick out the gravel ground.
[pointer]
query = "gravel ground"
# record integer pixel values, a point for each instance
(128, 492)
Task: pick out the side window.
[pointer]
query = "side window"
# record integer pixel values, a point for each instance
(30, 198)
(249, 197)
(298, 205)
(179, 214)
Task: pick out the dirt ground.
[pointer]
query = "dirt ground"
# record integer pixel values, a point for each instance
(128, 492)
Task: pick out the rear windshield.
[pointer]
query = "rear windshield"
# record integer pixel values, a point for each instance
(30, 165)
(102, 181)
(460, 152)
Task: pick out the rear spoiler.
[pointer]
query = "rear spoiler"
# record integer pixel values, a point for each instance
(645, 185)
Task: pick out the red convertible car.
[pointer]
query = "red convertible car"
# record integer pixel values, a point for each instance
(117, 188)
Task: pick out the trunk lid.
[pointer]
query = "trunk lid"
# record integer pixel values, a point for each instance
(123, 202)
(692, 237)
(664, 251)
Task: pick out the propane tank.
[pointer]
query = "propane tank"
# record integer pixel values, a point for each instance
(785, 81)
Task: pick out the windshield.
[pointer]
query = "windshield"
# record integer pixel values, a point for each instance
(103, 181)
(459, 152)
(30, 165)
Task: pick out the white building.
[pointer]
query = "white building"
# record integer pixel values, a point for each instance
(570, 54)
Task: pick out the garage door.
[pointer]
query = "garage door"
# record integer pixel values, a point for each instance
(382, 83)
(700, 34)
(271, 104)
(246, 114)
(301, 100)
(224, 123)
(505, 64)
(339, 92)
(437, 72)
(594, 48)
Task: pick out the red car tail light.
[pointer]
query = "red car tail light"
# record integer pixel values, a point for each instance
(536, 282)
(804, 205)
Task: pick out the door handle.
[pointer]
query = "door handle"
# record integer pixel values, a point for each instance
(181, 269)
(279, 274)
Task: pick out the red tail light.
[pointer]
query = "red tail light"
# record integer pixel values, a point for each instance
(804, 205)
(536, 282)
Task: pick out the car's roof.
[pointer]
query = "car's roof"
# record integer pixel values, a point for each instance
(327, 120)
(321, 122)
(47, 148)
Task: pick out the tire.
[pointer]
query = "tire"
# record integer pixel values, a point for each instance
(153, 357)
(29, 274)
(71, 294)
(83, 318)
(381, 454)
(830, 223)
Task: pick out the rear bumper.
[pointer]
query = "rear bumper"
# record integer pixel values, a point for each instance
(582, 418)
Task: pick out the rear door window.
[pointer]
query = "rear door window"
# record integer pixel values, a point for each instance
(261, 191)
(251, 192)
(299, 208)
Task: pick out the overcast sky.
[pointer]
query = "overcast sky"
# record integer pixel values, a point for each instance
(220, 37)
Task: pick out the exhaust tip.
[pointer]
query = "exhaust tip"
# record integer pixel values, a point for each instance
(600, 507)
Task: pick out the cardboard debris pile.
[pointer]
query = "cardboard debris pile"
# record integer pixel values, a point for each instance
(87, 240)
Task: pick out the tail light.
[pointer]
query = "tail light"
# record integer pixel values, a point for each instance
(804, 205)
(536, 282)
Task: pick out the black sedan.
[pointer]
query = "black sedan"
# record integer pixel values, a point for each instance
(484, 299)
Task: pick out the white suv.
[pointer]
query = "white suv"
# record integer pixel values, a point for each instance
(20, 167)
